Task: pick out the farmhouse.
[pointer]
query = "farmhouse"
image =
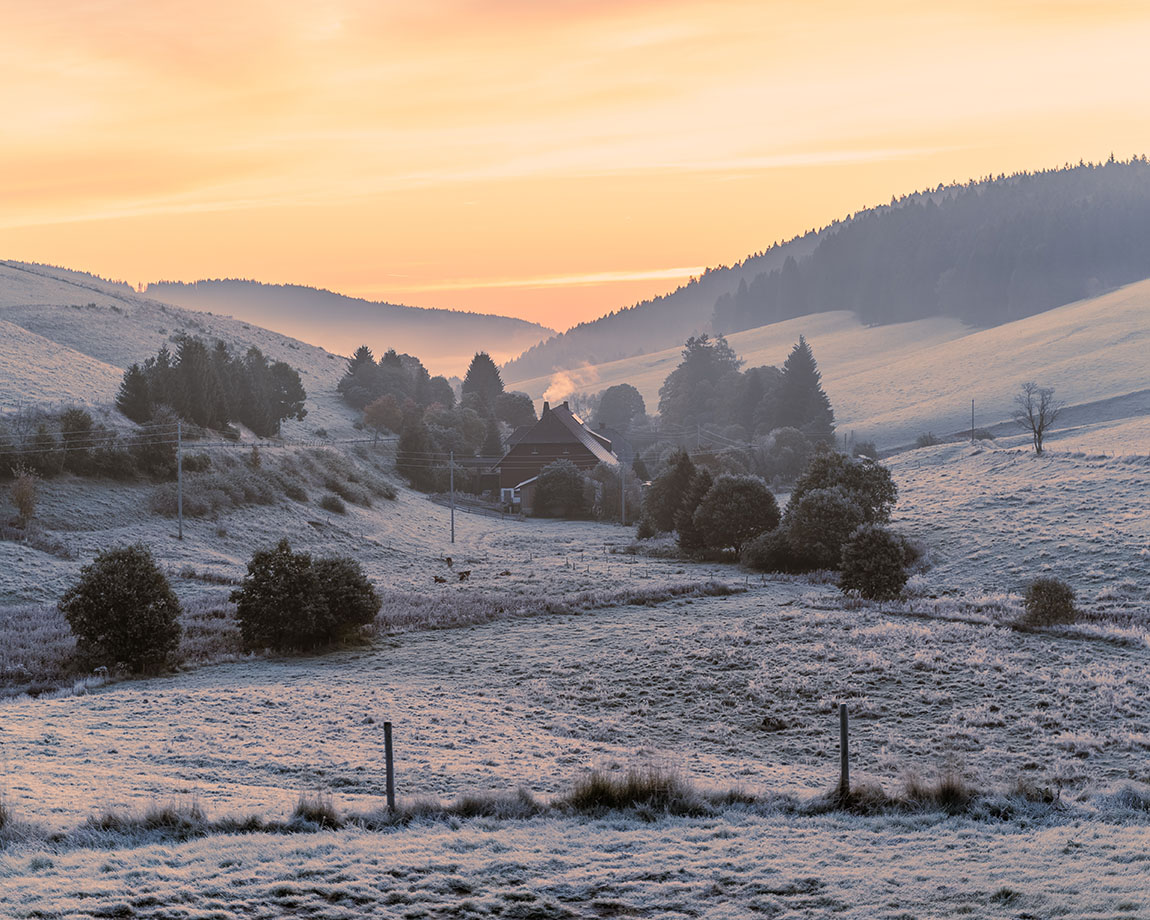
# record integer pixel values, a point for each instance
(558, 435)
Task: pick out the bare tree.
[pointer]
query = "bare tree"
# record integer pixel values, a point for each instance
(1035, 409)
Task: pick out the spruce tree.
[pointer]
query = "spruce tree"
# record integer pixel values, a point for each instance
(690, 536)
(483, 380)
(493, 442)
(134, 399)
(802, 404)
(667, 491)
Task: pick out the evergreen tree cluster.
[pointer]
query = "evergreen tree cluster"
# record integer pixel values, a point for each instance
(985, 253)
(708, 388)
(401, 377)
(212, 387)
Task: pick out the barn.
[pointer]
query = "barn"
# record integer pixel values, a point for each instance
(558, 435)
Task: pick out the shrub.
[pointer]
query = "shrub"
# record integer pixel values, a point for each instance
(333, 503)
(865, 449)
(926, 439)
(983, 434)
(873, 563)
(1049, 601)
(122, 609)
(735, 511)
(289, 602)
(197, 463)
(772, 551)
(559, 491)
(690, 536)
(868, 484)
(646, 529)
(820, 524)
(24, 492)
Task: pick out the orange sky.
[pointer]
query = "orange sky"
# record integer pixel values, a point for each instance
(550, 159)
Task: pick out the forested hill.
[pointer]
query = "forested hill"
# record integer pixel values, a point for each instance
(985, 252)
(445, 339)
(651, 325)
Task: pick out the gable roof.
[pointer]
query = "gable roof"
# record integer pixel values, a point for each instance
(562, 426)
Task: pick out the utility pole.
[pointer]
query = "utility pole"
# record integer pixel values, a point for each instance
(451, 476)
(972, 421)
(623, 493)
(180, 477)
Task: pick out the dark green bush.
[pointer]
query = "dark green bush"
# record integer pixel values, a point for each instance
(873, 563)
(772, 551)
(122, 610)
(1049, 602)
(820, 524)
(735, 511)
(197, 463)
(290, 602)
(561, 491)
(868, 484)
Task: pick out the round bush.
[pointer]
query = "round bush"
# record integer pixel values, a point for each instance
(820, 523)
(735, 511)
(289, 602)
(872, 563)
(122, 610)
(1049, 601)
(333, 503)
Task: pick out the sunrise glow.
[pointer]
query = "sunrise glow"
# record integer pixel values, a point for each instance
(552, 161)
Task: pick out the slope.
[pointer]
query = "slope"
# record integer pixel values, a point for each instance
(983, 252)
(445, 340)
(80, 332)
(890, 383)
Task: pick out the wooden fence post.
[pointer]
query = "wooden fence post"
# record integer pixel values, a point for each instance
(387, 756)
(844, 763)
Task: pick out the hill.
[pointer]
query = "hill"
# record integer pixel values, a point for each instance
(889, 383)
(445, 340)
(67, 337)
(985, 253)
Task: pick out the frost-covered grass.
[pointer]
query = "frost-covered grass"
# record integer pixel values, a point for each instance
(737, 864)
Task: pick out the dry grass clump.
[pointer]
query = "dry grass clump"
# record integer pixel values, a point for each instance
(317, 809)
(37, 648)
(648, 790)
(333, 503)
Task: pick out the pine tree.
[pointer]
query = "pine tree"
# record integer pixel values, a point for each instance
(802, 404)
(690, 536)
(667, 491)
(134, 400)
(484, 381)
(493, 442)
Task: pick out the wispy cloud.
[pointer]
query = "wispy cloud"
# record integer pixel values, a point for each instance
(588, 278)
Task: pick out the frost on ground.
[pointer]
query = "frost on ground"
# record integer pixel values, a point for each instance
(734, 866)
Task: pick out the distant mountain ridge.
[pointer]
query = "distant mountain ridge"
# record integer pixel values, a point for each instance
(984, 252)
(445, 340)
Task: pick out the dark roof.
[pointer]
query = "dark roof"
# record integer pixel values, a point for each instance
(562, 426)
(518, 434)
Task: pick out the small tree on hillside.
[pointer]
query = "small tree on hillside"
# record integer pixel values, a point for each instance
(868, 484)
(134, 398)
(735, 510)
(873, 563)
(515, 408)
(666, 491)
(801, 402)
(819, 522)
(383, 414)
(691, 537)
(288, 601)
(123, 610)
(1036, 410)
(24, 491)
(483, 381)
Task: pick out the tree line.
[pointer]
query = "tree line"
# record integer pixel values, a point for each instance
(212, 387)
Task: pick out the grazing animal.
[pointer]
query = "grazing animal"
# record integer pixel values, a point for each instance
(439, 579)
(465, 574)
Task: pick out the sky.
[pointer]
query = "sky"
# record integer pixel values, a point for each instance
(547, 159)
